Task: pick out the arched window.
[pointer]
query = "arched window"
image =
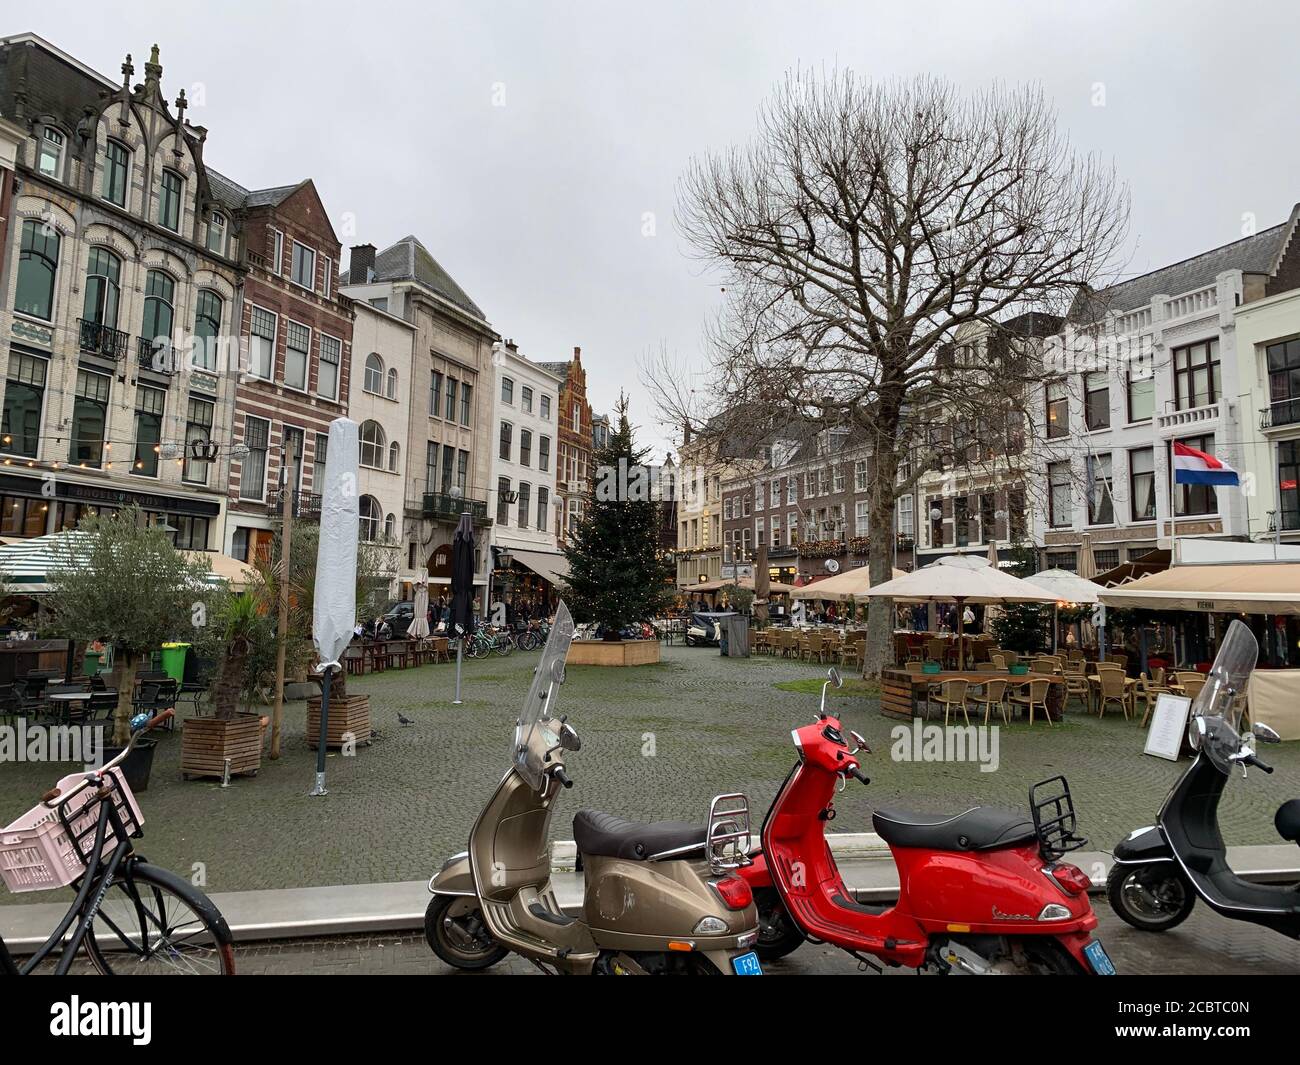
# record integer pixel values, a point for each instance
(170, 194)
(373, 445)
(372, 515)
(390, 527)
(394, 456)
(159, 312)
(38, 262)
(117, 172)
(103, 275)
(207, 327)
(392, 384)
(374, 379)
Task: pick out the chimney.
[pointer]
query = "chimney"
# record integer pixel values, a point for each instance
(577, 354)
(361, 264)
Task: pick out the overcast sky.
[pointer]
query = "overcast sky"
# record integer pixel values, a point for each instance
(536, 207)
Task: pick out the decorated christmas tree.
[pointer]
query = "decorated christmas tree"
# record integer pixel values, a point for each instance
(616, 573)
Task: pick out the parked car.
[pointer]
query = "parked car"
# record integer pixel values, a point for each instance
(399, 617)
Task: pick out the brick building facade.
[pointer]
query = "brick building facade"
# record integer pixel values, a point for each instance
(573, 454)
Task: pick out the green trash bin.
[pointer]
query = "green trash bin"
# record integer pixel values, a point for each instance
(173, 660)
(93, 662)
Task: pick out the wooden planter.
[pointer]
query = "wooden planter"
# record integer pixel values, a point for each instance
(206, 743)
(349, 717)
(613, 652)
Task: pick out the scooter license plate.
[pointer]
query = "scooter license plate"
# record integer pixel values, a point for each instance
(1098, 959)
(747, 964)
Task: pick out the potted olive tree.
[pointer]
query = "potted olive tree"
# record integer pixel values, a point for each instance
(117, 580)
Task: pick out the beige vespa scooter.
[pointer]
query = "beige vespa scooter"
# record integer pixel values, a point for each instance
(659, 897)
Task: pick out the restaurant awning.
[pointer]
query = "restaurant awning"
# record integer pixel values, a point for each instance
(548, 565)
(1152, 562)
(773, 587)
(24, 564)
(1250, 588)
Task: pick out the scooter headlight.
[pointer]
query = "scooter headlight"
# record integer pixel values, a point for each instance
(1054, 911)
(709, 926)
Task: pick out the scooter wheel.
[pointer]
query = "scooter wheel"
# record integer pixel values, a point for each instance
(778, 935)
(1153, 898)
(457, 933)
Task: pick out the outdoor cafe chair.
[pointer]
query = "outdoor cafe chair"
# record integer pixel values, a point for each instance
(999, 660)
(1112, 689)
(816, 646)
(1148, 690)
(1044, 664)
(985, 667)
(1033, 694)
(914, 667)
(948, 693)
(989, 694)
(1191, 683)
(1077, 684)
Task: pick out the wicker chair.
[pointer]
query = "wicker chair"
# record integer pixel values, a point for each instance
(1113, 689)
(990, 694)
(1034, 694)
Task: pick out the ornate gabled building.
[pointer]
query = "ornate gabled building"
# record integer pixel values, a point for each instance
(573, 459)
(121, 276)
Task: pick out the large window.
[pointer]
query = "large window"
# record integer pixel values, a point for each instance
(252, 479)
(544, 408)
(525, 448)
(861, 518)
(450, 413)
(373, 381)
(169, 200)
(543, 508)
(207, 328)
(462, 470)
(303, 271)
(435, 393)
(261, 344)
(117, 173)
(544, 453)
(159, 312)
(1101, 504)
(390, 383)
(38, 262)
(1195, 498)
(1060, 501)
(1288, 482)
(198, 430)
(89, 419)
(103, 291)
(503, 500)
(149, 404)
(507, 431)
(319, 458)
(1284, 382)
(1142, 483)
(374, 445)
(1058, 410)
(525, 504)
(372, 518)
(1096, 400)
(327, 383)
(1196, 375)
(217, 233)
(49, 160)
(297, 353)
(526, 399)
(1141, 394)
(24, 396)
(431, 466)
(22, 516)
(466, 401)
(507, 390)
(448, 458)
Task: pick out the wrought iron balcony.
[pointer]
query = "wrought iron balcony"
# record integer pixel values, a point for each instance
(1283, 412)
(156, 355)
(443, 506)
(102, 340)
(786, 551)
(306, 505)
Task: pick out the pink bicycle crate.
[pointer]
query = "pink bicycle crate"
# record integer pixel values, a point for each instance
(36, 852)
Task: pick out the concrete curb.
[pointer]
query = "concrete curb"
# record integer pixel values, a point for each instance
(350, 909)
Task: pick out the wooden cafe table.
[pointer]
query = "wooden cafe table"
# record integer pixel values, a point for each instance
(902, 694)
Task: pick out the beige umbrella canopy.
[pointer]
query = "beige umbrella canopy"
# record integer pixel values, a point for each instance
(850, 584)
(1087, 560)
(773, 587)
(1065, 586)
(961, 579)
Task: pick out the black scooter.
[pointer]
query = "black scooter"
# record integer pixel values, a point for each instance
(1159, 871)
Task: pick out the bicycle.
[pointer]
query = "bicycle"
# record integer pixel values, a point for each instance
(132, 917)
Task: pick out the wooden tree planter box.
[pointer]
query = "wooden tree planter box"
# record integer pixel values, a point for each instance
(348, 716)
(206, 743)
(613, 652)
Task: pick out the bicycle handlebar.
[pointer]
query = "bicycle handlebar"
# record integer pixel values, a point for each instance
(54, 797)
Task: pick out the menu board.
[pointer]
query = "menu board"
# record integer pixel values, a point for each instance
(1168, 727)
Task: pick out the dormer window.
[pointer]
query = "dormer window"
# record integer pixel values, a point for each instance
(304, 266)
(217, 233)
(117, 169)
(49, 159)
(169, 200)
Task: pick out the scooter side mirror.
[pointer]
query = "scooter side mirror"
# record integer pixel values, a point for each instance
(835, 679)
(1265, 733)
(569, 738)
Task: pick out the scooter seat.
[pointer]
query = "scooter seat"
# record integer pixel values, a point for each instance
(608, 836)
(1287, 820)
(980, 828)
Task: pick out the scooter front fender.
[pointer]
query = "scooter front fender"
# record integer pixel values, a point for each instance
(1143, 845)
(454, 878)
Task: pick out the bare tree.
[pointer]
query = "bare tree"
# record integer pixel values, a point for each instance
(860, 233)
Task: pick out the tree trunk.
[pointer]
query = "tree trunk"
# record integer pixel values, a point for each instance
(879, 648)
(125, 690)
(338, 684)
(230, 682)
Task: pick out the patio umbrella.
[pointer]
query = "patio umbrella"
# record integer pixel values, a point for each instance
(420, 611)
(334, 609)
(851, 584)
(961, 579)
(1068, 588)
(462, 588)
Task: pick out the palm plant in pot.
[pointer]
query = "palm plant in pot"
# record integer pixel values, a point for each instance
(118, 580)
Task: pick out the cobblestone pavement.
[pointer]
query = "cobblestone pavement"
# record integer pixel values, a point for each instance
(1205, 944)
(658, 742)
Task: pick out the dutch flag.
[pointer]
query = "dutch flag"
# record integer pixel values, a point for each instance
(1196, 467)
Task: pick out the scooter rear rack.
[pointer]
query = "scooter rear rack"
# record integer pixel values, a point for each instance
(1054, 820)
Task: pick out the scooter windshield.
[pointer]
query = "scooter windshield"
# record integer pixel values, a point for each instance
(1220, 702)
(533, 736)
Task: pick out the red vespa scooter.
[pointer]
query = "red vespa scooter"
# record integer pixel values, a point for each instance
(981, 892)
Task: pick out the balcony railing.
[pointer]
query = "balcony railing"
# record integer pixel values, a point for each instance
(102, 340)
(447, 507)
(306, 505)
(1192, 418)
(156, 355)
(1283, 412)
(787, 551)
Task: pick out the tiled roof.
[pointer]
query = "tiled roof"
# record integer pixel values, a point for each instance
(233, 195)
(409, 260)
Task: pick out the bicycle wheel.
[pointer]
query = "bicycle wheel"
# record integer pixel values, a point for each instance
(153, 923)
(476, 647)
(504, 644)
